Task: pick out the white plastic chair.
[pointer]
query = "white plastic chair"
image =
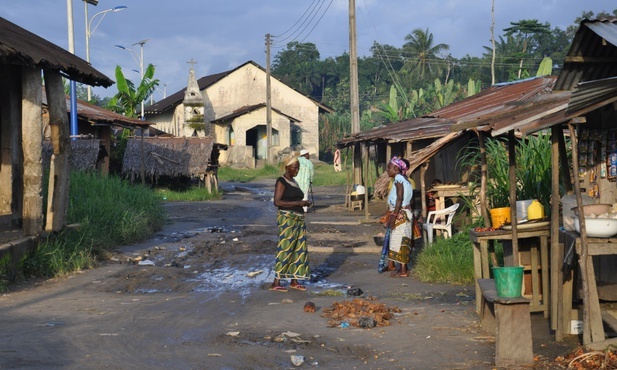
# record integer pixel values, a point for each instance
(445, 225)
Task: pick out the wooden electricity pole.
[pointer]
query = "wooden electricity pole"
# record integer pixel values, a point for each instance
(354, 94)
(268, 104)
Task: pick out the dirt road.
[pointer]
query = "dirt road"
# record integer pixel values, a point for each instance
(195, 297)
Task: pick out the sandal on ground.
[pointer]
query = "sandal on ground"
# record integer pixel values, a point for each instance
(278, 288)
(399, 274)
(297, 287)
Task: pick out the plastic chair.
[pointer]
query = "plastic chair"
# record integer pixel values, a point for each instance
(445, 216)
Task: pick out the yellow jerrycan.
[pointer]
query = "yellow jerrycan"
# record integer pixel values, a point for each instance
(535, 211)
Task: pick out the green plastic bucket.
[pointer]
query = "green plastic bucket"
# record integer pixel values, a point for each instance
(508, 281)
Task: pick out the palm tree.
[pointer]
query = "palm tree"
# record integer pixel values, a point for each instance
(129, 98)
(424, 63)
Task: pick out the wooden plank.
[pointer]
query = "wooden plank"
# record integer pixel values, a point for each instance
(610, 318)
(602, 345)
(32, 146)
(477, 270)
(535, 278)
(546, 294)
(489, 291)
(513, 340)
(593, 306)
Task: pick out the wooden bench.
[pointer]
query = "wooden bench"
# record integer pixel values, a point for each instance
(509, 319)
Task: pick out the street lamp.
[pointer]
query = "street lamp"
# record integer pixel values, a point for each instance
(90, 30)
(141, 65)
(163, 92)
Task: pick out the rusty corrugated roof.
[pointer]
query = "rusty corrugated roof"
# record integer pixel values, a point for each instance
(467, 113)
(97, 115)
(21, 47)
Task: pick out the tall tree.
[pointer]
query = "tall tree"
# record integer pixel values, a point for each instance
(422, 55)
(527, 30)
(299, 66)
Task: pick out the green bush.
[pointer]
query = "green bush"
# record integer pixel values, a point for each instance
(446, 261)
(112, 211)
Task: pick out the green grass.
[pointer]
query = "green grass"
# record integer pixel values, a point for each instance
(109, 212)
(447, 261)
(112, 211)
(324, 174)
(248, 174)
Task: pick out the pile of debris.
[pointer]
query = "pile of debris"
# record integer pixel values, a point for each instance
(360, 313)
(581, 358)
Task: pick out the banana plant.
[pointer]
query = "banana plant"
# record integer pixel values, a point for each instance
(445, 94)
(129, 98)
(473, 87)
(546, 67)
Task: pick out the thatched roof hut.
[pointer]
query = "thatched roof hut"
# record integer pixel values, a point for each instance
(84, 154)
(171, 157)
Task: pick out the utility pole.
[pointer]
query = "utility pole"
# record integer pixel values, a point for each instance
(354, 94)
(73, 85)
(268, 103)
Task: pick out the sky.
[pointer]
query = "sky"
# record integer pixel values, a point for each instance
(221, 35)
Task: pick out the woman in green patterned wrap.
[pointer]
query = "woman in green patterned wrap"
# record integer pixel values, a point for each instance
(292, 260)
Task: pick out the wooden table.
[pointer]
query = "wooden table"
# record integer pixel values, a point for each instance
(595, 247)
(480, 241)
(447, 191)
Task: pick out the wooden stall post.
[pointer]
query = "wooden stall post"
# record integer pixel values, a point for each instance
(11, 156)
(366, 176)
(32, 144)
(555, 200)
(483, 179)
(59, 171)
(512, 175)
(593, 331)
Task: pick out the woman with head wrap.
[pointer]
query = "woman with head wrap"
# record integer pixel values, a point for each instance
(292, 260)
(400, 219)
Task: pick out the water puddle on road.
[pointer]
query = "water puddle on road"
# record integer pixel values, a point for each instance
(258, 274)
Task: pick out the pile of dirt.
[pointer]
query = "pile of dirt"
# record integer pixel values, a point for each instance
(361, 313)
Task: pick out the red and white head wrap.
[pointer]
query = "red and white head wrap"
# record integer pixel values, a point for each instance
(398, 162)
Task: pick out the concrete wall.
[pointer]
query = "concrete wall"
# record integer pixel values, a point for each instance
(244, 87)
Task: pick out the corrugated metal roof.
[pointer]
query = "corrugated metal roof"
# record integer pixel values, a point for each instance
(98, 115)
(21, 47)
(248, 109)
(592, 92)
(592, 56)
(468, 113)
(176, 98)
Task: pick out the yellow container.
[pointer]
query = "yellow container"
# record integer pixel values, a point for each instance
(535, 211)
(500, 216)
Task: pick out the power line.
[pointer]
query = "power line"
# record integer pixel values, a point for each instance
(319, 20)
(305, 18)
(290, 28)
